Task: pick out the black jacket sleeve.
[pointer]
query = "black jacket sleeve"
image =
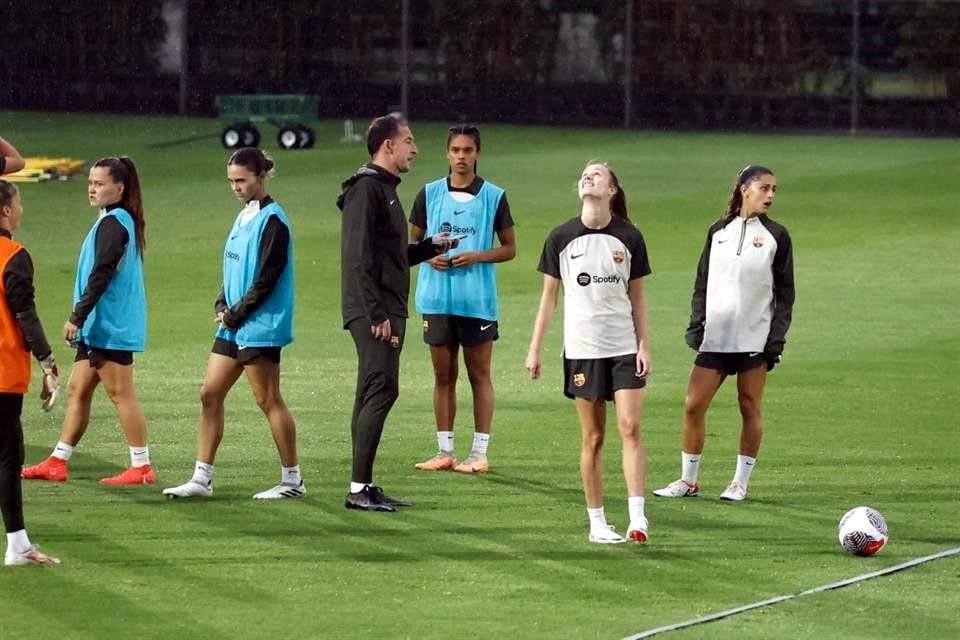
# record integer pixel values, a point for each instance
(698, 306)
(18, 284)
(111, 243)
(417, 252)
(361, 272)
(220, 304)
(274, 246)
(784, 294)
(418, 214)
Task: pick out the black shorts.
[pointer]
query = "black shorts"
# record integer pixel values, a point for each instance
(99, 357)
(730, 363)
(244, 355)
(441, 329)
(600, 377)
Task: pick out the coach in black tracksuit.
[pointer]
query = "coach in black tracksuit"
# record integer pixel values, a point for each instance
(375, 260)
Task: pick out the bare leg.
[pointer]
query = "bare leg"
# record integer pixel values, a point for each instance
(222, 374)
(83, 382)
(117, 381)
(701, 388)
(264, 377)
(445, 373)
(629, 405)
(750, 394)
(593, 418)
(478, 359)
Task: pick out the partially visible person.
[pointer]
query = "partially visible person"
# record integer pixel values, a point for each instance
(108, 324)
(457, 292)
(742, 307)
(10, 159)
(375, 260)
(254, 314)
(600, 259)
(20, 335)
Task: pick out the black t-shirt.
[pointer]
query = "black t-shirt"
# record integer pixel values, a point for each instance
(501, 219)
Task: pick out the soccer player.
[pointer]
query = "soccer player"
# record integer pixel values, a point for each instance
(254, 312)
(10, 159)
(108, 323)
(375, 260)
(457, 291)
(600, 259)
(20, 334)
(742, 305)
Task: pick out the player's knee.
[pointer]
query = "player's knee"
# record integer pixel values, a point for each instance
(693, 407)
(592, 442)
(210, 398)
(629, 428)
(749, 406)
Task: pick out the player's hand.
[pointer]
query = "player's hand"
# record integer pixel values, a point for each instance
(440, 263)
(382, 331)
(466, 258)
(533, 364)
(51, 383)
(444, 242)
(644, 364)
(70, 332)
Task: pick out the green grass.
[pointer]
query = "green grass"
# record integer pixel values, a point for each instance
(862, 411)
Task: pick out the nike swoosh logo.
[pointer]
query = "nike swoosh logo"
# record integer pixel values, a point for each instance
(456, 213)
(572, 257)
(240, 347)
(718, 241)
(754, 355)
(392, 201)
(484, 327)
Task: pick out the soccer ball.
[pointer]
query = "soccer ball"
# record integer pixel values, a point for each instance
(863, 531)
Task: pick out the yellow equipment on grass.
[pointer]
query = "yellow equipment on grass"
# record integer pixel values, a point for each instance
(41, 169)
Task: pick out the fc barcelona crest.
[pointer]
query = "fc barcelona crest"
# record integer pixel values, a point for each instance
(579, 379)
(619, 255)
(426, 325)
(758, 241)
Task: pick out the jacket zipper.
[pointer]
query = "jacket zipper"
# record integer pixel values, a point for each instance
(743, 233)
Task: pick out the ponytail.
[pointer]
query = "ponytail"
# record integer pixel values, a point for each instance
(123, 170)
(747, 175)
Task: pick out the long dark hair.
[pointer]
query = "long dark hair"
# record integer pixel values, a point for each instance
(747, 175)
(8, 191)
(253, 160)
(618, 203)
(465, 130)
(123, 170)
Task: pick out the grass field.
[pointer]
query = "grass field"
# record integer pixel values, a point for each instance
(862, 411)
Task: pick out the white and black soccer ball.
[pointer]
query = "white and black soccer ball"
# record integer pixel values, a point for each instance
(863, 531)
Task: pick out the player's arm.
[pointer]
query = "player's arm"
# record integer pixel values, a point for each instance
(698, 304)
(418, 231)
(111, 244)
(274, 254)
(503, 225)
(638, 306)
(784, 295)
(10, 159)
(548, 304)
(360, 205)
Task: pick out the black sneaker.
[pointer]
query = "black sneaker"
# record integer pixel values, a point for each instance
(367, 500)
(385, 499)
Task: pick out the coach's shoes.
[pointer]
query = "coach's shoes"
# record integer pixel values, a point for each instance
(679, 489)
(474, 463)
(735, 492)
(637, 531)
(189, 490)
(367, 500)
(52, 470)
(30, 556)
(282, 490)
(441, 462)
(384, 498)
(133, 475)
(605, 535)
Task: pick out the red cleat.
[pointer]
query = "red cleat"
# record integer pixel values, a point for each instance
(52, 470)
(133, 475)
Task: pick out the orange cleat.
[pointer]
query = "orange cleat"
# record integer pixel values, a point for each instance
(474, 463)
(133, 475)
(442, 461)
(52, 470)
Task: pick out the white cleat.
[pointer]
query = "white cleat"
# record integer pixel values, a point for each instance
(637, 531)
(679, 489)
(282, 491)
(606, 535)
(189, 490)
(30, 556)
(735, 492)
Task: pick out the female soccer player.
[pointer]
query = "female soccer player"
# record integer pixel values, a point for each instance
(20, 334)
(742, 306)
(600, 258)
(108, 323)
(254, 312)
(457, 291)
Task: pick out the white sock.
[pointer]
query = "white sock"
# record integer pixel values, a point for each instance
(445, 439)
(744, 468)
(139, 456)
(291, 475)
(690, 465)
(202, 474)
(62, 451)
(357, 487)
(598, 521)
(480, 442)
(635, 506)
(18, 542)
